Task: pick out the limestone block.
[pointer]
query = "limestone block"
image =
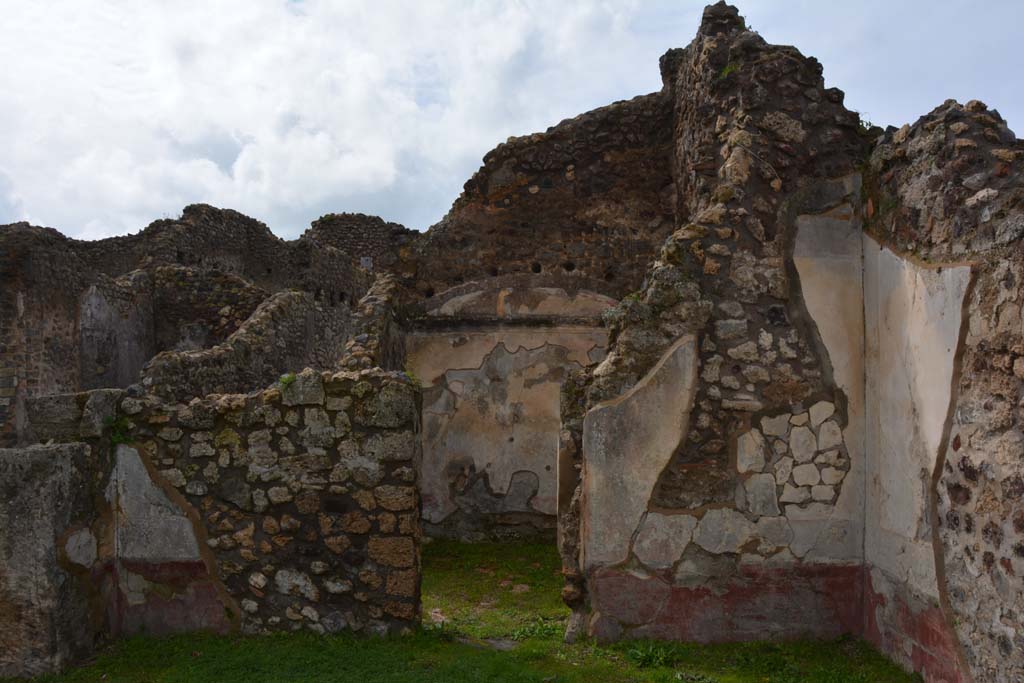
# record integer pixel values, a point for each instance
(777, 425)
(829, 436)
(821, 411)
(806, 475)
(783, 468)
(761, 498)
(802, 444)
(793, 494)
(662, 539)
(750, 452)
(306, 389)
(723, 530)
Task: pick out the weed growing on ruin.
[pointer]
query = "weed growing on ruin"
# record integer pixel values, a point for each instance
(286, 380)
(729, 69)
(119, 429)
(864, 124)
(412, 377)
(646, 654)
(539, 628)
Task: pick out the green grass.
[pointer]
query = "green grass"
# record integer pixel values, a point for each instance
(476, 597)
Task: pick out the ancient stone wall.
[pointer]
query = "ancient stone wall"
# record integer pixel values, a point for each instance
(124, 322)
(591, 196)
(288, 330)
(94, 547)
(63, 297)
(295, 507)
(378, 337)
(947, 194)
(306, 493)
(751, 476)
(802, 419)
(364, 237)
(46, 619)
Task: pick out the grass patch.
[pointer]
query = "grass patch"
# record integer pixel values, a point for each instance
(119, 429)
(474, 598)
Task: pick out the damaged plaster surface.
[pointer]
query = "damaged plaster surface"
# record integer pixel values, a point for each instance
(626, 444)
(45, 620)
(913, 328)
(517, 302)
(150, 528)
(490, 416)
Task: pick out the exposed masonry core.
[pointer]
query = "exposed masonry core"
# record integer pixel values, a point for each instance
(756, 367)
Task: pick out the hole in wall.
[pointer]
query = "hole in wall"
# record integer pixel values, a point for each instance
(569, 266)
(535, 267)
(428, 292)
(493, 271)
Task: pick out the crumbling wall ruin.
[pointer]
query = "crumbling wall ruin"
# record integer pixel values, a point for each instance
(947, 192)
(295, 507)
(761, 365)
(754, 466)
(804, 487)
(82, 315)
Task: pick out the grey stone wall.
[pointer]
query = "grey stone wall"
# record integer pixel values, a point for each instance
(289, 330)
(294, 507)
(47, 616)
(211, 254)
(306, 494)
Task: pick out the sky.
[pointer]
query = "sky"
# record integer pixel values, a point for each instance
(114, 114)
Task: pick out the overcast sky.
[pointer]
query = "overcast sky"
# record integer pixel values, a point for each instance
(115, 114)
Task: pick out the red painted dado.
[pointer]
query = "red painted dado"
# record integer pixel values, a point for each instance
(766, 603)
(913, 632)
(170, 597)
(758, 603)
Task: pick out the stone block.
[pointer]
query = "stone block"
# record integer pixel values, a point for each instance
(722, 530)
(306, 389)
(391, 551)
(761, 499)
(750, 452)
(662, 539)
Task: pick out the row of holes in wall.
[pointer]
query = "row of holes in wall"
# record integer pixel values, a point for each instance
(535, 267)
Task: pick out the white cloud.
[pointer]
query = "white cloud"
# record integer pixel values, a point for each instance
(115, 113)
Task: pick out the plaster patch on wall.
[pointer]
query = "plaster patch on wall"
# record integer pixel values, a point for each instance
(828, 257)
(491, 416)
(150, 527)
(524, 302)
(627, 442)
(913, 321)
